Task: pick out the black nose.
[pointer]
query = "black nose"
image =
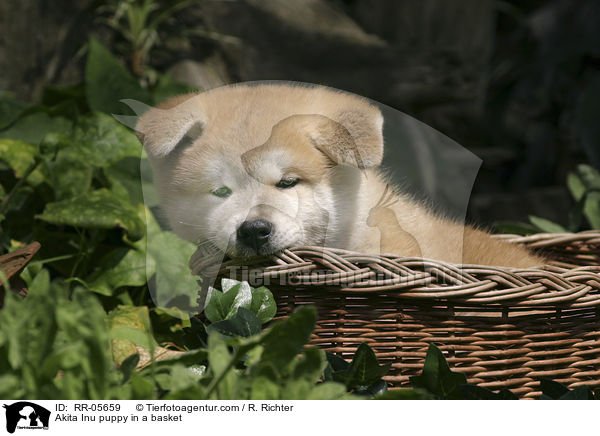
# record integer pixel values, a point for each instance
(254, 233)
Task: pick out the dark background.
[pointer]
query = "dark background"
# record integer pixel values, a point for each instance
(515, 82)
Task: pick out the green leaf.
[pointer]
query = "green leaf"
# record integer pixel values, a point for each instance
(216, 309)
(263, 304)
(130, 326)
(263, 388)
(182, 378)
(584, 185)
(125, 179)
(98, 209)
(33, 128)
(102, 141)
(242, 298)
(244, 323)
(18, 155)
(328, 391)
(141, 388)
(552, 390)
(108, 81)
(437, 377)
(286, 338)
(579, 393)
(174, 285)
(220, 363)
(123, 266)
(311, 364)
(70, 175)
(364, 369)
(128, 366)
(224, 305)
(547, 226)
(120, 267)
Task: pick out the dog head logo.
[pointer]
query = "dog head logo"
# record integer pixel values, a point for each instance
(26, 415)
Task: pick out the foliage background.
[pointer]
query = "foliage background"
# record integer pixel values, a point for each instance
(517, 83)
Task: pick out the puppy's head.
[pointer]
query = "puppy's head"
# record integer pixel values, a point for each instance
(249, 169)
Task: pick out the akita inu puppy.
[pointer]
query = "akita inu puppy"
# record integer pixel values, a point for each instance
(253, 169)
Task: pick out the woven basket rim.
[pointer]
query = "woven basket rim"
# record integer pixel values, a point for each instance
(559, 283)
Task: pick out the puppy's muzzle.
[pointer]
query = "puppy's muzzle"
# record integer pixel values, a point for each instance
(254, 234)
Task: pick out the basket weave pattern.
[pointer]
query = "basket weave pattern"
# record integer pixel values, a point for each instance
(501, 327)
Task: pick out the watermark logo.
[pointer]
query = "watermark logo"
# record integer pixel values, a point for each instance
(25, 415)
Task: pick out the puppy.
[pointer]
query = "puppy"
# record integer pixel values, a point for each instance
(253, 169)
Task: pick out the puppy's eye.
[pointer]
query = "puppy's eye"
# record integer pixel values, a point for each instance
(287, 182)
(222, 192)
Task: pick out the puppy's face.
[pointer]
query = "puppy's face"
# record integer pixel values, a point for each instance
(259, 202)
(245, 174)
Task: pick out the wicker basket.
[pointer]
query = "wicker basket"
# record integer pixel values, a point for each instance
(501, 327)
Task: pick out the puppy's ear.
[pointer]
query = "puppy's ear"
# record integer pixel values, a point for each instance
(365, 127)
(176, 121)
(353, 139)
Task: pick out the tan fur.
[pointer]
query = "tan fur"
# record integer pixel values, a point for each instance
(249, 137)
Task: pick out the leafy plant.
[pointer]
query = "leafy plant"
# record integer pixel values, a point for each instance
(363, 375)
(138, 22)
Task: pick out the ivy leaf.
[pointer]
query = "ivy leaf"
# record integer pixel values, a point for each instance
(364, 373)
(552, 390)
(579, 393)
(263, 304)
(437, 377)
(244, 323)
(224, 305)
(335, 365)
